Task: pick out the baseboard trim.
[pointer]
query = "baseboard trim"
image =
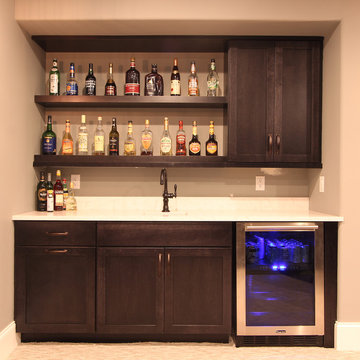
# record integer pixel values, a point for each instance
(347, 335)
(9, 340)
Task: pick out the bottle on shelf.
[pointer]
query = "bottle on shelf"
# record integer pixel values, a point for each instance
(71, 85)
(83, 137)
(49, 194)
(193, 82)
(132, 80)
(212, 80)
(67, 147)
(146, 146)
(99, 138)
(41, 193)
(181, 140)
(129, 144)
(211, 144)
(110, 86)
(71, 201)
(66, 192)
(54, 79)
(165, 141)
(113, 139)
(90, 82)
(154, 84)
(194, 144)
(58, 193)
(48, 139)
(175, 86)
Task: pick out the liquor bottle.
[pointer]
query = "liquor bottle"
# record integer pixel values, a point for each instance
(83, 137)
(48, 139)
(71, 201)
(180, 140)
(212, 80)
(67, 141)
(146, 147)
(90, 82)
(49, 195)
(193, 82)
(175, 86)
(99, 139)
(129, 144)
(41, 193)
(165, 141)
(154, 85)
(211, 144)
(132, 80)
(110, 86)
(54, 79)
(58, 193)
(194, 144)
(71, 85)
(66, 192)
(113, 139)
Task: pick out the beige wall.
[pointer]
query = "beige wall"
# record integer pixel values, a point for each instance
(20, 71)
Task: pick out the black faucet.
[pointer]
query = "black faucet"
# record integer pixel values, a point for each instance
(166, 194)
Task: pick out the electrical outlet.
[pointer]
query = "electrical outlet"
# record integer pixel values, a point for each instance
(75, 179)
(260, 183)
(321, 183)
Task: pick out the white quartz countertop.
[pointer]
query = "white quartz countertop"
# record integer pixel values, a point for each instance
(185, 209)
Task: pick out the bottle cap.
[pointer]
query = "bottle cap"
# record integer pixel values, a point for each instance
(58, 173)
(147, 122)
(99, 118)
(83, 119)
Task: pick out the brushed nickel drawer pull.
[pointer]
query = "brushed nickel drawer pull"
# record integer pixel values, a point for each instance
(66, 233)
(159, 264)
(270, 143)
(56, 251)
(168, 263)
(278, 144)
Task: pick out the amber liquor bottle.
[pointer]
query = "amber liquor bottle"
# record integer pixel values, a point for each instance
(193, 81)
(175, 86)
(194, 144)
(132, 80)
(58, 193)
(67, 147)
(110, 86)
(180, 140)
(154, 84)
(211, 144)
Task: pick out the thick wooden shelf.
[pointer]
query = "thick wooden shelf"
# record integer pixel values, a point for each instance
(131, 101)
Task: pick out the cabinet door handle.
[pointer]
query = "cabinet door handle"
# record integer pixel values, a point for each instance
(278, 144)
(66, 233)
(159, 264)
(168, 263)
(270, 143)
(56, 251)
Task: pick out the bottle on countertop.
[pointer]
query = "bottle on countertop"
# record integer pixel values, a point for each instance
(71, 85)
(71, 201)
(146, 146)
(193, 82)
(110, 86)
(67, 147)
(83, 138)
(175, 86)
(194, 144)
(212, 80)
(54, 79)
(58, 193)
(132, 80)
(49, 194)
(113, 139)
(129, 144)
(99, 138)
(211, 144)
(48, 139)
(41, 193)
(154, 84)
(165, 141)
(66, 192)
(181, 140)
(90, 81)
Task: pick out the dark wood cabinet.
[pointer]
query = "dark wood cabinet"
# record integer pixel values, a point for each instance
(275, 102)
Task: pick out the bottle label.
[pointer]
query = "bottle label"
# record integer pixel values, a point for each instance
(212, 84)
(193, 87)
(67, 146)
(110, 90)
(49, 145)
(175, 87)
(54, 83)
(83, 143)
(129, 148)
(194, 148)
(90, 87)
(113, 146)
(180, 139)
(42, 195)
(150, 88)
(99, 143)
(50, 200)
(165, 145)
(211, 148)
(146, 140)
(59, 198)
(71, 88)
(132, 89)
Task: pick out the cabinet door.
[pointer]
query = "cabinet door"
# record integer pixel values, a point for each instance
(297, 128)
(130, 290)
(198, 291)
(251, 100)
(54, 289)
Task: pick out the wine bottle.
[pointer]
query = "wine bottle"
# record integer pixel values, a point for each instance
(90, 82)
(113, 139)
(175, 86)
(48, 139)
(58, 193)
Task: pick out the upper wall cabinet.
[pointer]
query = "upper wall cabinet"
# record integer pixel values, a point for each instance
(274, 102)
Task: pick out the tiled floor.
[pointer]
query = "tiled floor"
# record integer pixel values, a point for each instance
(171, 351)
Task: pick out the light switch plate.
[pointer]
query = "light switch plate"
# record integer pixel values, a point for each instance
(260, 183)
(75, 179)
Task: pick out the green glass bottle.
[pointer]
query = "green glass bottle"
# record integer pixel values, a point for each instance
(48, 139)
(41, 193)
(54, 79)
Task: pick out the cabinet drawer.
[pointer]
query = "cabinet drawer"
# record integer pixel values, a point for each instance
(164, 234)
(55, 233)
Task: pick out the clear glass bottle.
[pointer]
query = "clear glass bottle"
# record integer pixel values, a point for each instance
(211, 144)
(194, 144)
(66, 192)
(72, 85)
(71, 204)
(49, 194)
(193, 81)
(165, 141)
(113, 139)
(212, 80)
(54, 79)
(90, 82)
(154, 84)
(130, 144)
(48, 139)
(83, 137)
(41, 193)
(175, 85)
(99, 138)
(180, 140)
(146, 146)
(67, 147)
(110, 86)
(58, 193)
(132, 80)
